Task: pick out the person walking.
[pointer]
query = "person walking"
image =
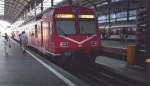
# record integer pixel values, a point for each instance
(6, 43)
(103, 34)
(24, 42)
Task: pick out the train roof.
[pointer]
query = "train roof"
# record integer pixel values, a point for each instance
(74, 8)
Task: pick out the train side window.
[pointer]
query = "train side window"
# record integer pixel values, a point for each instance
(36, 31)
(49, 28)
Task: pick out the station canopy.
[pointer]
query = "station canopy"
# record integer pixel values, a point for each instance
(11, 9)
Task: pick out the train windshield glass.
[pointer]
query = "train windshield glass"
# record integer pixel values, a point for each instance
(65, 27)
(87, 27)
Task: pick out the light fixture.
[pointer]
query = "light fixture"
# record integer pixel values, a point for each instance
(65, 16)
(87, 16)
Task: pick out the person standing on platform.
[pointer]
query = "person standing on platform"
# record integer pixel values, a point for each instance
(20, 39)
(103, 34)
(6, 43)
(24, 42)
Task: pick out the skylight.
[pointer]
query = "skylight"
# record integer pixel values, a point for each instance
(57, 1)
(2, 2)
(47, 3)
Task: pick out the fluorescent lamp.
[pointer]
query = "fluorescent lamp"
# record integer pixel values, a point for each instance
(65, 16)
(87, 16)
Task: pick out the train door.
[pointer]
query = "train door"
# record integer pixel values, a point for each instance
(35, 42)
(50, 42)
(39, 37)
(41, 33)
(32, 35)
(45, 34)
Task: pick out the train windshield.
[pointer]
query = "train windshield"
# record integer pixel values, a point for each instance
(87, 27)
(65, 27)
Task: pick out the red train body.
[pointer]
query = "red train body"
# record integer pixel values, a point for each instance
(65, 29)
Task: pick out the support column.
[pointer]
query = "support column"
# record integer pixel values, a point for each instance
(143, 17)
(52, 3)
(35, 8)
(128, 10)
(148, 43)
(41, 6)
(109, 17)
(109, 12)
(143, 37)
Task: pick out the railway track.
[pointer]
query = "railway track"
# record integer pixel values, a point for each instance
(117, 53)
(99, 75)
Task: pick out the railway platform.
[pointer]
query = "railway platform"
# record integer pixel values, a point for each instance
(117, 37)
(17, 69)
(122, 68)
(113, 48)
(115, 44)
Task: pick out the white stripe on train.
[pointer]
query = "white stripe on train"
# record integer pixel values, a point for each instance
(77, 42)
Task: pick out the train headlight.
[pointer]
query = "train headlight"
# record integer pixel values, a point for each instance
(64, 44)
(65, 16)
(93, 43)
(87, 16)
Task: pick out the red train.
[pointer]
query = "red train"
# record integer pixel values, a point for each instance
(66, 31)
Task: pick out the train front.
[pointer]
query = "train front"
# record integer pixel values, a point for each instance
(76, 31)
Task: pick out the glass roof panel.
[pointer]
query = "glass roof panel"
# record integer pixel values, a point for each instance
(2, 2)
(1, 6)
(57, 1)
(46, 4)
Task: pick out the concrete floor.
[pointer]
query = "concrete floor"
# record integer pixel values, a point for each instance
(115, 44)
(122, 68)
(17, 69)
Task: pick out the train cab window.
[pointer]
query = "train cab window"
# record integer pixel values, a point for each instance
(65, 27)
(36, 31)
(87, 27)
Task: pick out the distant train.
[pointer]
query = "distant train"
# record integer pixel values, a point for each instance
(115, 32)
(66, 32)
